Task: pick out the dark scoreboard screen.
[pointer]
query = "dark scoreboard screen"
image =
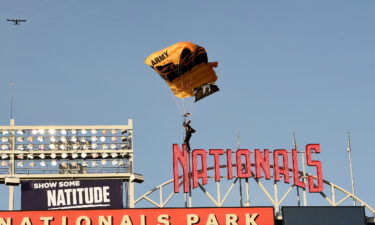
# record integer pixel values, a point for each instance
(317, 215)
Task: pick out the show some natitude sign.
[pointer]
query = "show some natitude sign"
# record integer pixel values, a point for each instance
(71, 194)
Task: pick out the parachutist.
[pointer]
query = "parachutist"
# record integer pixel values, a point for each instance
(188, 131)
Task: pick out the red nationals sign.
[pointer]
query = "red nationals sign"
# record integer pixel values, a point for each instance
(247, 163)
(162, 216)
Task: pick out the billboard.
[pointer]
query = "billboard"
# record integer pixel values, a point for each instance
(161, 216)
(313, 215)
(71, 194)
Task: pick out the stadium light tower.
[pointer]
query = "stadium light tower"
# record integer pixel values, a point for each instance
(67, 152)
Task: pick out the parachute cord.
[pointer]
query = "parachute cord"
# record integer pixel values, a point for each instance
(177, 105)
(179, 71)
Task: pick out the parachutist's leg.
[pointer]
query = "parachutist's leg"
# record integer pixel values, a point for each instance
(187, 140)
(188, 146)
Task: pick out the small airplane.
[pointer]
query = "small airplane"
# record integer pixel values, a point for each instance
(16, 21)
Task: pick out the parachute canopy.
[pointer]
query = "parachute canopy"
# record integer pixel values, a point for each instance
(185, 68)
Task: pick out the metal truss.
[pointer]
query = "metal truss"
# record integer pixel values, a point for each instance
(333, 194)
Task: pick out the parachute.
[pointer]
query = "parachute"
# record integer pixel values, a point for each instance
(185, 68)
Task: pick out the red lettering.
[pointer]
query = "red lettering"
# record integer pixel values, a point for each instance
(319, 174)
(202, 173)
(262, 163)
(284, 170)
(296, 180)
(183, 158)
(229, 164)
(216, 153)
(243, 170)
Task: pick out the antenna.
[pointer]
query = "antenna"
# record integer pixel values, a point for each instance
(11, 84)
(240, 180)
(238, 140)
(351, 167)
(303, 172)
(295, 147)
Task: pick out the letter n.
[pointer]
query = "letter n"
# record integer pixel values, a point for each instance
(183, 158)
(262, 162)
(2, 221)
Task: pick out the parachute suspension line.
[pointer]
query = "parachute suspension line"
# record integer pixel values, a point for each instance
(177, 105)
(184, 103)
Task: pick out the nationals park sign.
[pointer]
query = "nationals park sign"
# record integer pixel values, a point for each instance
(242, 162)
(161, 216)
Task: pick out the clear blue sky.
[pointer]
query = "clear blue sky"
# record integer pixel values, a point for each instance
(306, 66)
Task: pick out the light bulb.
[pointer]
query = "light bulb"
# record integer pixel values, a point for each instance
(52, 131)
(63, 132)
(63, 138)
(52, 139)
